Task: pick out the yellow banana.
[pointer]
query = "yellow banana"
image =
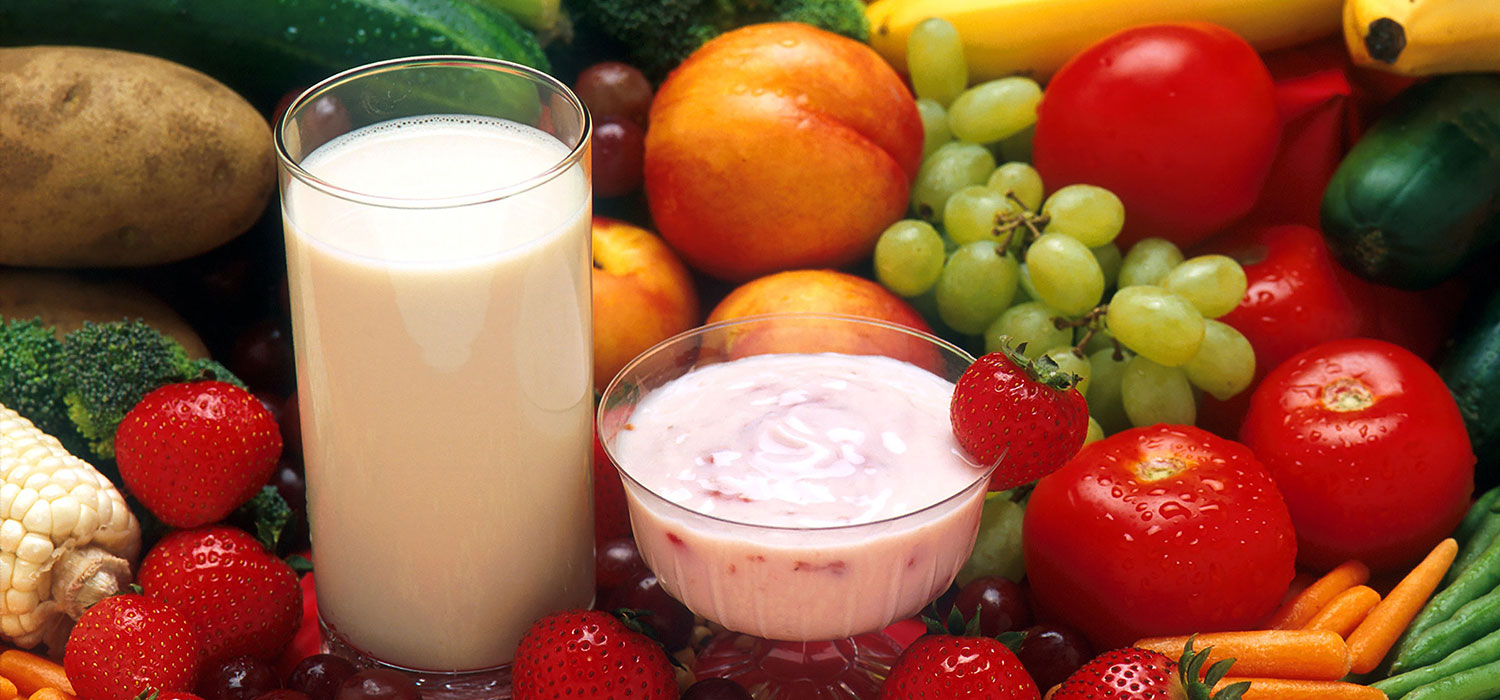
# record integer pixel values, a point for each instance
(1424, 37)
(1035, 37)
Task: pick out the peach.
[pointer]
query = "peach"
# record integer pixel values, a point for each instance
(779, 146)
(642, 295)
(825, 292)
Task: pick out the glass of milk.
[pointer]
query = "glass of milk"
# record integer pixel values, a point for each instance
(437, 220)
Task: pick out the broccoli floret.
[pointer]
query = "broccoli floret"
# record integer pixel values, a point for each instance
(661, 33)
(109, 367)
(31, 360)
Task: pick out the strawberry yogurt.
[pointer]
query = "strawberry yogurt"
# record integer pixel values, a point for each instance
(800, 496)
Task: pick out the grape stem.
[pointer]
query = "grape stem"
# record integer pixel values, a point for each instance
(1007, 225)
(1092, 322)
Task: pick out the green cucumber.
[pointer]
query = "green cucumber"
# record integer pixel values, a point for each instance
(1471, 369)
(1418, 196)
(265, 48)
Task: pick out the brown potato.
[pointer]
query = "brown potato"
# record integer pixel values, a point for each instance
(64, 301)
(114, 159)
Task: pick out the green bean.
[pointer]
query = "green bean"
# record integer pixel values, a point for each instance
(1475, 619)
(1481, 652)
(1484, 534)
(1470, 524)
(1476, 683)
(1483, 576)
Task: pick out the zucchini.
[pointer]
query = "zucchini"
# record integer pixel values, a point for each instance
(1471, 369)
(265, 48)
(1418, 196)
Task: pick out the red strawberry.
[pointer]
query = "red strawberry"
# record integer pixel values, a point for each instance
(241, 599)
(611, 517)
(128, 643)
(958, 665)
(1026, 414)
(1130, 673)
(194, 451)
(590, 654)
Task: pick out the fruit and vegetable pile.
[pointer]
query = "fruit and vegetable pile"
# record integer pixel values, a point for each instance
(1227, 266)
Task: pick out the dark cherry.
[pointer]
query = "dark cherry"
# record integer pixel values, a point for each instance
(619, 156)
(290, 484)
(262, 357)
(284, 694)
(1000, 601)
(320, 676)
(614, 89)
(716, 689)
(1051, 652)
(615, 562)
(239, 678)
(378, 684)
(291, 428)
(671, 620)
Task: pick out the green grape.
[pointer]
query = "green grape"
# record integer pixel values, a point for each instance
(1213, 283)
(1110, 259)
(1030, 323)
(994, 110)
(1153, 394)
(1103, 397)
(997, 548)
(909, 257)
(952, 167)
(934, 126)
(1026, 291)
(1155, 323)
(1065, 273)
(1091, 214)
(1016, 148)
(1020, 180)
(935, 60)
(971, 213)
(1073, 363)
(1095, 433)
(1148, 262)
(976, 285)
(1225, 363)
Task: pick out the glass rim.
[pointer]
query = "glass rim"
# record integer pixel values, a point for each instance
(704, 329)
(575, 154)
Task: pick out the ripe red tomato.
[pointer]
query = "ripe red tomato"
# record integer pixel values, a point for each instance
(1161, 530)
(1179, 120)
(1368, 449)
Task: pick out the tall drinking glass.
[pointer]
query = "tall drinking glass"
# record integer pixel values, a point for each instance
(437, 214)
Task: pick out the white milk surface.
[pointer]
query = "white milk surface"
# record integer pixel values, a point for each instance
(443, 367)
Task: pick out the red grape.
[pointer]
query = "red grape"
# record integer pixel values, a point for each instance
(615, 562)
(619, 156)
(239, 678)
(1001, 604)
(320, 676)
(291, 428)
(262, 357)
(716, 689)
(284, 694)
(1052, 652)
(671, 620)
(378, 684)
(614, 89)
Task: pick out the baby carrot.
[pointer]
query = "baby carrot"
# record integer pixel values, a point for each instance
(1299, 654)
(31, 673)
(1296, 612)
(1375, 636)
(8, 689)
(1342, 614)
(1288, 689)
(50, 693)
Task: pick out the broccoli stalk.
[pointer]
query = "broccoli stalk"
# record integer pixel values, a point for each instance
(109, 367)
(659, 34)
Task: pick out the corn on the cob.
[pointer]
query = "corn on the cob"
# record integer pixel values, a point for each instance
(67, 538)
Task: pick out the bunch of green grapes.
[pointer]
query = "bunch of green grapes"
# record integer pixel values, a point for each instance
(994, 257)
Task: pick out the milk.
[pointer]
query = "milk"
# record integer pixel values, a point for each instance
(801, 497)
(443, 373)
